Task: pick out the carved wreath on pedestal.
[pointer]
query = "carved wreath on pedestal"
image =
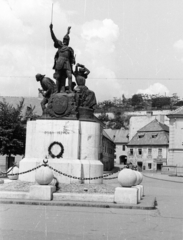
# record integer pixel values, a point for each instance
(59, 155)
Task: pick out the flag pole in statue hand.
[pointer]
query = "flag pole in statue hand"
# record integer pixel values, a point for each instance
(52, 13)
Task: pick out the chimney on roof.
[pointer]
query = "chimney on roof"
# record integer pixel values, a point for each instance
(149, 113)
(161, 118)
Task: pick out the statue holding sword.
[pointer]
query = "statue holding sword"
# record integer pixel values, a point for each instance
(63, 61)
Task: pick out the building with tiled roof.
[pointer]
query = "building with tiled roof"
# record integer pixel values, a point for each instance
(108, 152)
(148, 149)
(175, 158)
(120, 137)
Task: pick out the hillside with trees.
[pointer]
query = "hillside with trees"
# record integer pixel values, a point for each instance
(138, 102)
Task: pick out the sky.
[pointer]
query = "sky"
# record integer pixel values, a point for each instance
(129, 46)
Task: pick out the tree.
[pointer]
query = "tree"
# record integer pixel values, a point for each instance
(120, 120)
(137, 100)
(12, 130)
(161, 101)
(104, 117)
(105, 105)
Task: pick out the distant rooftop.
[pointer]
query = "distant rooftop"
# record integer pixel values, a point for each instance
(118, 135)
(154, 125)
(154, 133)
(106, 135)
(178, 113)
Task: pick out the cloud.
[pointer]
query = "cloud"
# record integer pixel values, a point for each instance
(105, 29)
(105, 85)
(26, 47)
(97, 52)
(178, 44)
(156, 88)
(100, 36)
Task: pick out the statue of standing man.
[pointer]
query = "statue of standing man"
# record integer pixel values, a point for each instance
(64, 59)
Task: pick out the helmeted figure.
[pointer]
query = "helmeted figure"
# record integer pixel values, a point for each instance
(48, 88)
(63, 61)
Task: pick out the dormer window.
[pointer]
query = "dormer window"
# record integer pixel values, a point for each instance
(141, 135)
(154, 135)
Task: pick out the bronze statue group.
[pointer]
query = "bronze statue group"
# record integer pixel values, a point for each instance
(63, 66)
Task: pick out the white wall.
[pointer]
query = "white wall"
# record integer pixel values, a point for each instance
(176, 142)
(120, 152)
(145, 158)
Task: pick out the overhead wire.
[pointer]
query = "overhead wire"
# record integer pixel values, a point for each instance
(118, 78)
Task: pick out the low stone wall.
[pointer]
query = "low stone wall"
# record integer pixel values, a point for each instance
(172, 170)
(169, 170)
(180, 171)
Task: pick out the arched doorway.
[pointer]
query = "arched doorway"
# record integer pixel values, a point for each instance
(140, 166)
(123, 159)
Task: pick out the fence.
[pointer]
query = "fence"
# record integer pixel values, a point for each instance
(45, 164)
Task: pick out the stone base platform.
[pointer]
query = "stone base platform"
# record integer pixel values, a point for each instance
(140, 192)
(88, 200)
(76, 168)
(126, 195)
(39, 192)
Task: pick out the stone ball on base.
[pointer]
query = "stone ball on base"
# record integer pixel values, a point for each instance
(139, 177)
(44, 175)
(127, 178)
(13, 170)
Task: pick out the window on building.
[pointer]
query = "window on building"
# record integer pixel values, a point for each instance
(159, 151)
(141, 135)
(154, 135)
(140, 151)
(149, 165)
(131, 151)
(149, 151)
(123, 147)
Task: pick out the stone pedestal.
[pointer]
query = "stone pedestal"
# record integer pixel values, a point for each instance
(126, 195)
(42, 192)
(139, 192)
(81, 141)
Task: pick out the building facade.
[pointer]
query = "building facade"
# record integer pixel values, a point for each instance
(120, 138)
(148, 149)
(176, 138)
(108, 152)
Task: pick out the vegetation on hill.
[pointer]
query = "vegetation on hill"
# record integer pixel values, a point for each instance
(120, 120)
(140, 102)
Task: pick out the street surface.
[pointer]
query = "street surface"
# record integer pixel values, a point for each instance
(19, 222)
